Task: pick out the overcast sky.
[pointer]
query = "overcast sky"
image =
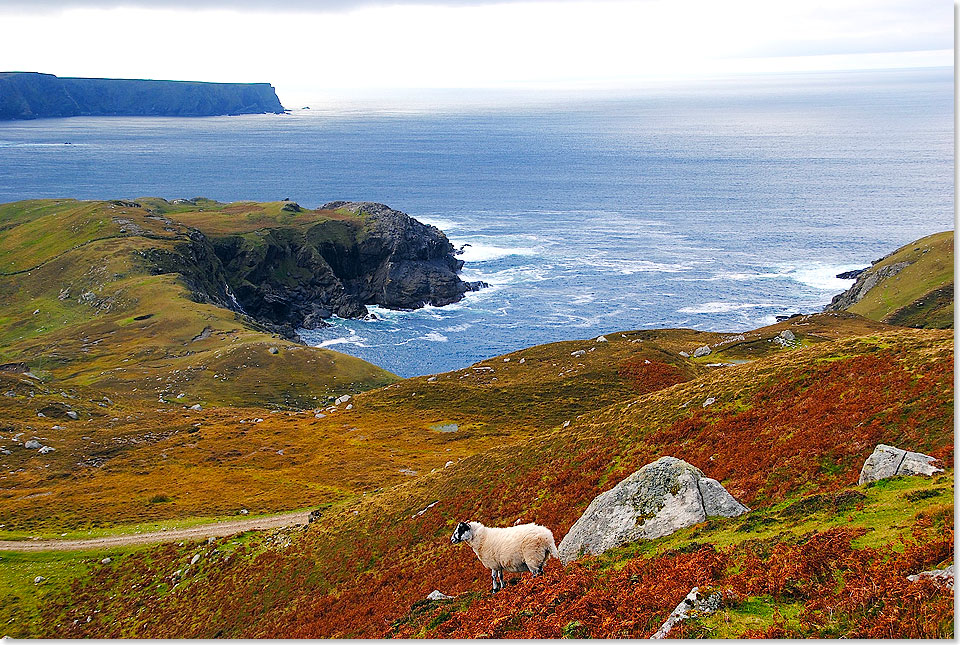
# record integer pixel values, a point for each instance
(308, 47)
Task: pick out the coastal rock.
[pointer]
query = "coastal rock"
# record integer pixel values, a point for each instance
(702, 351)
(657, 500)
(887, 461)
(31, 95)
(865, 282)
(287, 278)
(851, 275)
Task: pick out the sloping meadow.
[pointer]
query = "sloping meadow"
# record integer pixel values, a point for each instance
(779, 431)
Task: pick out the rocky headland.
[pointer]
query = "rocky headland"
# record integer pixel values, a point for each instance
(31, 95)
(307, 266)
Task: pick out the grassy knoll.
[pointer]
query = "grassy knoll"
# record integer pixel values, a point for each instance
(786, 434)
(920, 295)
(95, 330)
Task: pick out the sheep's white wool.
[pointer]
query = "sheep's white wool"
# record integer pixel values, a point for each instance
(516, 548)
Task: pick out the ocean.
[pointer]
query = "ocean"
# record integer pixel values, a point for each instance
(714, 205)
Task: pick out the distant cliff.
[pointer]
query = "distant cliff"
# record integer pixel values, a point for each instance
(29, 95)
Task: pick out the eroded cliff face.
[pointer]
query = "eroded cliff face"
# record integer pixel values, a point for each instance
(289, 278)
(29, 95)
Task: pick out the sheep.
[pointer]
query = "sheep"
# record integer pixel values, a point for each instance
(517, 548)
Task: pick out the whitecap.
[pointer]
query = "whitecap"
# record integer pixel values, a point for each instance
(352, 340)
(487, 252)
(722, 307)
(434, 337)
(822, 276)
(442, 224)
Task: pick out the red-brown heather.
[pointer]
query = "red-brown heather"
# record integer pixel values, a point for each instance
(782, 430)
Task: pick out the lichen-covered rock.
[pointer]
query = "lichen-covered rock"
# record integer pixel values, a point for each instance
(694, 605)
(888, 461)
(659, 499)
(942, 577)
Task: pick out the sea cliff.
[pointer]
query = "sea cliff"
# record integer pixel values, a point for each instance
(30, 95)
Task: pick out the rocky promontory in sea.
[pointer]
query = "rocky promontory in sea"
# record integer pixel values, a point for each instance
(31, 95)
(288, 267)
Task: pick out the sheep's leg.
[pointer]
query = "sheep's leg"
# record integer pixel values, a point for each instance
(495, 575)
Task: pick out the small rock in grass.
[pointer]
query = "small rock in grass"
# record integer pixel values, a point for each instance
(38, 580)
(32, 444)
(710, 401)
(106, 561)
(601, 339)
(71, 414)
(46, 450)
(195, 559)
(702, 351)
(438, 595)
(274, 350)
(244, 511)
(196, 407)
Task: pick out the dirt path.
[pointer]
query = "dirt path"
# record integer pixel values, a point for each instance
(200, 532)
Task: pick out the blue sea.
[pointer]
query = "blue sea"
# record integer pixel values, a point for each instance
(714, 205)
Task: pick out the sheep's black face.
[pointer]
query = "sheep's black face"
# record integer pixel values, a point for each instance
(461, 533)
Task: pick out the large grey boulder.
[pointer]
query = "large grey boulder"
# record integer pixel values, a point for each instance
(659, 499)
(887, 461)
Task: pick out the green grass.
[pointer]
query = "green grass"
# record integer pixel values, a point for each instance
(896, 298)
(885, 512)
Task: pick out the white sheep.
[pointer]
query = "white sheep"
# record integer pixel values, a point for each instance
(516, 549)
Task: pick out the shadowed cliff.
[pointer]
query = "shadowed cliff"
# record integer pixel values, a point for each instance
(30, 95)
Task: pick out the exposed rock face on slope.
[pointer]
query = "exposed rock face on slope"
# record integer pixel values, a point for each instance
(289, 276)
(657, 500)
(29, 95)
(298, 278)
(912, 287)
(887, 461)
(866, 280)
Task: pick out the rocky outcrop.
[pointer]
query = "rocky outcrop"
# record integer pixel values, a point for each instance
(286, 278)
(657, 500)
(29, 95)
(940, 577)
(887, 461)
(866, 280)
(696, 604)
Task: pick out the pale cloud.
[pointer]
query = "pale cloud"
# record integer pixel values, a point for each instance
(316, 46)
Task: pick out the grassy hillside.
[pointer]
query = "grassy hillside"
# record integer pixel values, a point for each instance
(795, 423)
(918, 295)
(783, 420)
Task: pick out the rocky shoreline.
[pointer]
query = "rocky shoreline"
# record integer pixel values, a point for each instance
(287, 278)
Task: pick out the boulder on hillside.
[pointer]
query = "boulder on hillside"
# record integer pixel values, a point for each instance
(887, 461)
(942, 577)
(659, 499)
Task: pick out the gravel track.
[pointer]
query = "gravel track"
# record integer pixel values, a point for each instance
(203, 531)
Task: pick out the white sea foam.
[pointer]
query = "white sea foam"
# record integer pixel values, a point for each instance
(823, 276)
(434, 337)
(443, 224)
(477, 252)
(456, 328)
(351, 340)
(722, 307)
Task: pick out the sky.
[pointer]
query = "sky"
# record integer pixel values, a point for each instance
(309, 48)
